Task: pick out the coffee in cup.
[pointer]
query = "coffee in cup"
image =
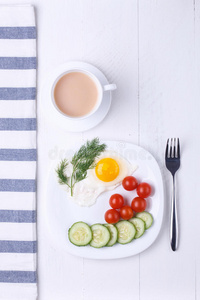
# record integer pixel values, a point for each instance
(77, 94)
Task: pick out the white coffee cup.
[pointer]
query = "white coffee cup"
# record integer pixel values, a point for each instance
(100, 88)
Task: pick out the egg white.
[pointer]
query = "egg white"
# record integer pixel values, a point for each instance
(87, 191)
(125, 169)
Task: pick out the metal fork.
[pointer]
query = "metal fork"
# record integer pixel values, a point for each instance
(172, 161)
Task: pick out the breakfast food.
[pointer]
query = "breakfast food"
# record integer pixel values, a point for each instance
(126, 212)
(76, 94)
(126, 232)
(80, 234)
(70, 173)
(116, 201)
(113, 234)
(146, 217)
(101, 235)
(139, 226)
(110, 170)
(138, 204)
(91, 172)
(129, 183)
(144, 190)
(112, 216)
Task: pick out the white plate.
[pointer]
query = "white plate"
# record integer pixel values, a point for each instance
(61, 212)
(54, 117)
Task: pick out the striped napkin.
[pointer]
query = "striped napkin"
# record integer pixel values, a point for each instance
(17, 153)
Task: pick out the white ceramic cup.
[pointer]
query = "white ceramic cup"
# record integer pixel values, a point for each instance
(101, 90)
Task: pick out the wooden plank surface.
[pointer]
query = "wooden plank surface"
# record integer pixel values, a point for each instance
(167, 109)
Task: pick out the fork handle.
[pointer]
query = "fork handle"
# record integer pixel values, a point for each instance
(174, 221)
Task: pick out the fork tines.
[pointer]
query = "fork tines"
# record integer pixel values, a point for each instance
(172, 148)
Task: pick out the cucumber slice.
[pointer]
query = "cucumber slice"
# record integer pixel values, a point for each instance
(126, 232)
(113, 234)
(100, 236)
(80, 234)
(139, 225)
(146, 217)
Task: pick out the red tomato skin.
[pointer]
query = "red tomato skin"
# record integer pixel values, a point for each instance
(112, 216)
(129, 183)
(126, 212)
(116, 201)
(144, 190)
(138, 204)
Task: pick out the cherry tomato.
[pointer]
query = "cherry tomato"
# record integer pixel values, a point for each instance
(112, 216)
(144, 190)
(116, 201)
(129, 183)
(126, 212)
(138, 204)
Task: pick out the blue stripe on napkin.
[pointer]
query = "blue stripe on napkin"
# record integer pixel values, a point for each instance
(18, 154)
(18, 93)
(19, 63)
(18, 246)
(17, 185)
(18, 276)
(17, 32)
(17, 124)
(18, 216)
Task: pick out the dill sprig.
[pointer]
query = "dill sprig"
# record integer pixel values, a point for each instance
(82, 161)
(62, 178)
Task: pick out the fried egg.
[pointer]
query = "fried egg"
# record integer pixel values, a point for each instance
(110, 169)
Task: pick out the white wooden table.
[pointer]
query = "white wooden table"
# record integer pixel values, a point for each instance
(151, 50)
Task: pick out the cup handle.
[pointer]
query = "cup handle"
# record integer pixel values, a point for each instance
(109, 87)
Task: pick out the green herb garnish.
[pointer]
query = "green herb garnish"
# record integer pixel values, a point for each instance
(82, 161)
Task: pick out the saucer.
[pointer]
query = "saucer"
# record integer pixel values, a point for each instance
(75, 125)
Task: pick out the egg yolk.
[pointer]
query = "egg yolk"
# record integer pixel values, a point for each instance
(107, 169)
